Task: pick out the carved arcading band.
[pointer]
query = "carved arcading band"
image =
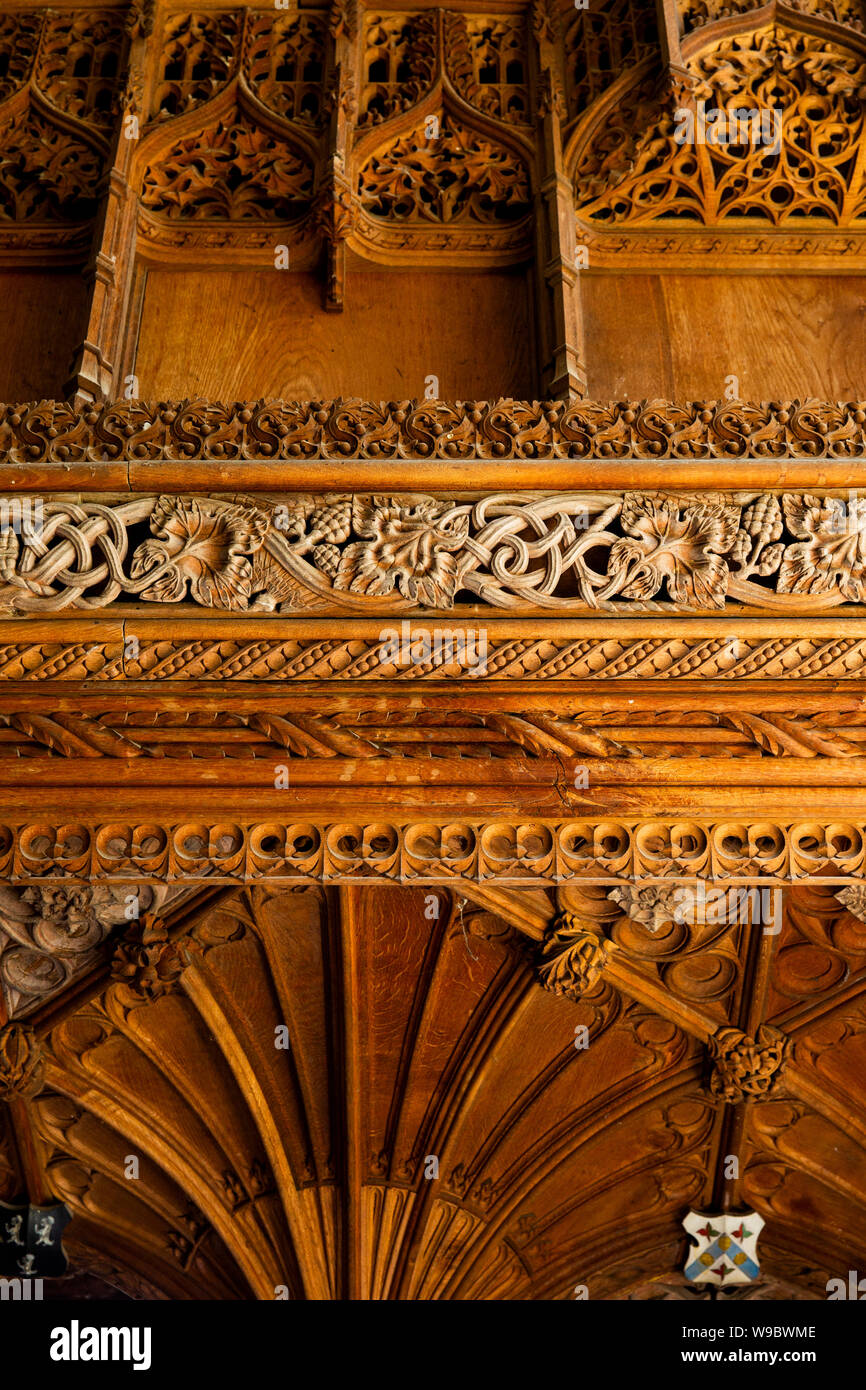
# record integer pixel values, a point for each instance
(602, 851)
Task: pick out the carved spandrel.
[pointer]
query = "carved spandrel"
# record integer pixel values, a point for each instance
(641, 166)
(50, 935)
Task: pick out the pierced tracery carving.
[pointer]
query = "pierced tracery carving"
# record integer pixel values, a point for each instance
(284, 63)
(601, 42)
(486, 62)
(399, 63)
(19, 40)
(79, 63)
(815, 86)
(459, 176)
(233, 170)
(197, 59)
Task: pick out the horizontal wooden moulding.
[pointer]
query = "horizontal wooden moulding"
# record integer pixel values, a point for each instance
(329, 446)
(497, 848)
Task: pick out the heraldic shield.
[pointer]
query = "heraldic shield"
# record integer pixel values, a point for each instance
(30, 1241)
(726, 1248)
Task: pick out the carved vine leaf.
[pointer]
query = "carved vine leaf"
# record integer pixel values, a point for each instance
(207, 551)
(459, 176)
(572, 958)
(411, 548)
(232, 170)
(746, 1066)
(678, 545)
(832, 551)
(854, 899)
(46, 174)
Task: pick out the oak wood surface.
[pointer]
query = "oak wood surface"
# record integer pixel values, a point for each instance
(235, 335)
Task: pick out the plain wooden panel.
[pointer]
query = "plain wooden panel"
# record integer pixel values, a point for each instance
(680, 336)
(238, 335)
(43, 325)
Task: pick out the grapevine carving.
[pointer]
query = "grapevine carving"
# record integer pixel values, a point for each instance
(592, 551)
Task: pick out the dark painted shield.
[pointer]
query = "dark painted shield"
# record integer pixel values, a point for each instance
(30, 1241)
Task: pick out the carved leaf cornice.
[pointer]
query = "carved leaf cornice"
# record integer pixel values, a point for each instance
(700, 14)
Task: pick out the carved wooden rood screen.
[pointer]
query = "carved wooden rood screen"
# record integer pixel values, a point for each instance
(433, 830)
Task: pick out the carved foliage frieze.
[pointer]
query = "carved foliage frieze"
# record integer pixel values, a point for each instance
(696, 14)
(698, 431)
(569, 552)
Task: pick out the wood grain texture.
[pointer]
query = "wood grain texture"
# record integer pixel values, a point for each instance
(682, 335)
(44, 315)
(238, 335)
